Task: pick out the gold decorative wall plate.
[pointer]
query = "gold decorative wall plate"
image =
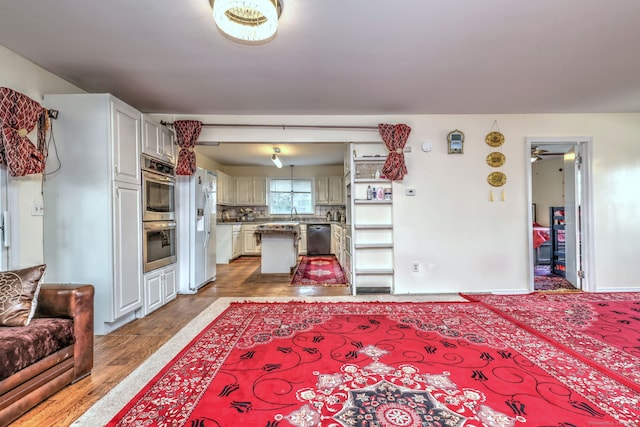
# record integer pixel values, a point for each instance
(494, 139)
(497, 179)
(496, 159)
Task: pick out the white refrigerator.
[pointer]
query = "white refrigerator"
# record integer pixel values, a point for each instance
(199, 222)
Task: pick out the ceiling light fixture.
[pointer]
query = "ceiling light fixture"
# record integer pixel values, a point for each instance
(249, 21)
(274, 158)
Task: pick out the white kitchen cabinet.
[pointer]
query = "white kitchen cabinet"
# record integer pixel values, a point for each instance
(249, 244)
(226, 189)
(160, 287)
(336, 190)
(251, 191)
(157, 140)
(337, 241)
(228, 242)
(236, 241)
(224, 234)
(244, 190)
(322, 190)
(127, 235)
(329, 190)
(167, 147)
(92, 226)
(260, 191)
(302, 244)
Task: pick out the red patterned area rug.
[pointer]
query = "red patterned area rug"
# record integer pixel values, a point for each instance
(603, 329)
(319, 271)
(375, 364)
(544, 280)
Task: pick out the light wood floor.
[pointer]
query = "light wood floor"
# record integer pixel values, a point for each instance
(117, 354)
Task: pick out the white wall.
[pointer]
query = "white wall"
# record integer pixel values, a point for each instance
(463, 241)
(23, 76)
(547, 186)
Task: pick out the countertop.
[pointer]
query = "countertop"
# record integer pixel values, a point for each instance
(302, 221)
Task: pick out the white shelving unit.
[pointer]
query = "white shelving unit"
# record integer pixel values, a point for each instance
(371, 243)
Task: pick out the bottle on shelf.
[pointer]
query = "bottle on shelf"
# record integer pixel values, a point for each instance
(377, 174)
(369, 193)
(380, 194)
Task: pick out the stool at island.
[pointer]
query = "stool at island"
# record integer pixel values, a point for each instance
(279, 241)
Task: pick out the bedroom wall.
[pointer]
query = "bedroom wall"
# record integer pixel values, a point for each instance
(547, 186)
(462, 240)
(26, 230)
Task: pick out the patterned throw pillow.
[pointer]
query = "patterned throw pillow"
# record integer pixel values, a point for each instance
(19, 295)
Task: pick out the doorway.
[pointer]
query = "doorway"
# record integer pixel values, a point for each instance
(559, 226)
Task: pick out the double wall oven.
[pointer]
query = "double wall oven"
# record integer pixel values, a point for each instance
(158, 214)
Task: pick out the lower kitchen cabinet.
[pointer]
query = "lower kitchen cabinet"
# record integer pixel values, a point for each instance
(236, 241)
(228, 242)
(249, 244)
(302, 243)
(160, 288)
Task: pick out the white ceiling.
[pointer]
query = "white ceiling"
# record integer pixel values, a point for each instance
(343, 57)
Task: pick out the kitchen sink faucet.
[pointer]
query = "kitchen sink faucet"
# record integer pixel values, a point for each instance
(293, 211)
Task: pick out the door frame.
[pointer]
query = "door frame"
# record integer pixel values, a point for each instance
(5, 233)
(586, 208)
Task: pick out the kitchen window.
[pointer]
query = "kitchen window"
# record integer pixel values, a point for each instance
(287, 194)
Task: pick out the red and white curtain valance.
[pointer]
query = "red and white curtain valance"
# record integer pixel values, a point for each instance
(394, 137)
(19, 115)
(187, 133)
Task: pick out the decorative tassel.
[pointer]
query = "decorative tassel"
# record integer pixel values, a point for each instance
(491, 195)
(504, 197)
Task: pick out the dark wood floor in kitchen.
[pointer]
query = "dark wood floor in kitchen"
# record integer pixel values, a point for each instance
(117, 354)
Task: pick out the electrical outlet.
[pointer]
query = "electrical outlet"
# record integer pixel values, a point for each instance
(415, 267)
(37, 209)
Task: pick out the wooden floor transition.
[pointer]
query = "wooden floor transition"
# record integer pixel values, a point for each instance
(117, 354)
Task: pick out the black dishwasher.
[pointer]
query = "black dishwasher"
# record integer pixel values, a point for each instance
(318, 239)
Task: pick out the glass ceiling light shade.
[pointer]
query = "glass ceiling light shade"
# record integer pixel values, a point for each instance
(251, 21)
(276, 161)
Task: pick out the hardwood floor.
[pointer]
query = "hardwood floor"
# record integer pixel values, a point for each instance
(117, 354)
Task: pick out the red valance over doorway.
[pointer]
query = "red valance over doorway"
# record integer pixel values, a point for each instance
(187, 133)
(19, 115)
(394, 137)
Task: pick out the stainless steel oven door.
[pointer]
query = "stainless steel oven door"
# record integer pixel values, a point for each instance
(158, 244)
(158, 197)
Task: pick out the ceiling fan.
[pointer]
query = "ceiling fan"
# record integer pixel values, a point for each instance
(538, 153)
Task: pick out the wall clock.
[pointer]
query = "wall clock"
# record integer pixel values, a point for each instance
(455, 140)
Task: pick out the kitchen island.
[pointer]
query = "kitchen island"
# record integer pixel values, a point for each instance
(279, 241)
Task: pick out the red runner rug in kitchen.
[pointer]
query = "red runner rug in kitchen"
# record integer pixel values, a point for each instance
(319, 270)
(602, 329)
(375, 364)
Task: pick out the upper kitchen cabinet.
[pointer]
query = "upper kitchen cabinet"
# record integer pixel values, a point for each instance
(157, 140)
(92, 227)
(226, 189)
(251, 190)
(125, 128)
(329, 190)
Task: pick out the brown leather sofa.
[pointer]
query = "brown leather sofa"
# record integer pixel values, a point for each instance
(63, 325)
